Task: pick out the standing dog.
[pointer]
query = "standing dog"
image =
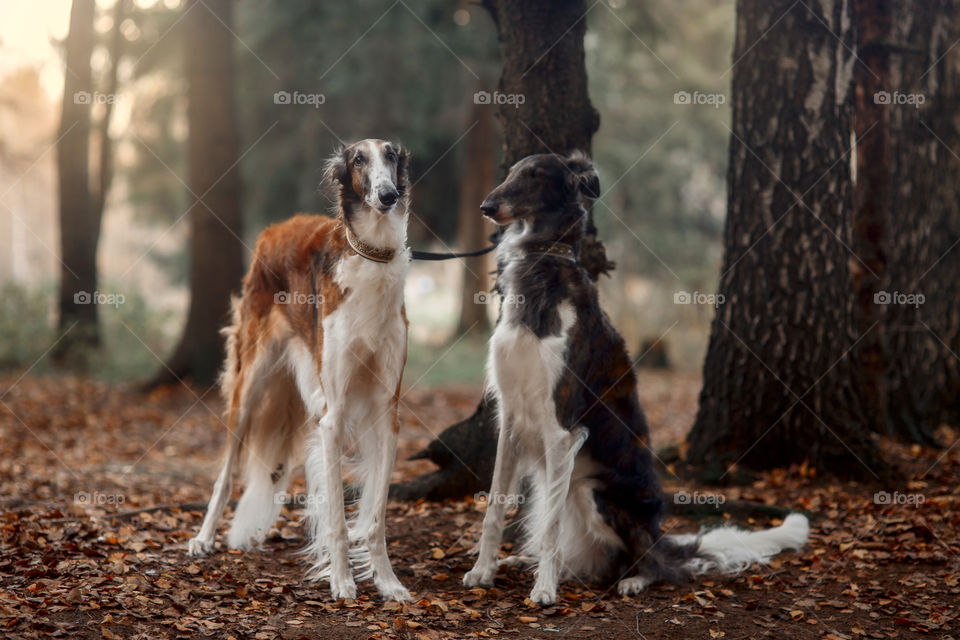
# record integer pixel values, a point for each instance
(569, 413)
(315, 356)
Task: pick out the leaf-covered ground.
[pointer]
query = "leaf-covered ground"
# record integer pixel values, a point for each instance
(77, 458)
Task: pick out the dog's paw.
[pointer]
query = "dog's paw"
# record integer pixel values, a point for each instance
(199, 547)
(479, 577)
(238, 543)
(632, 586)
(245, 543)
(394, 591)
(345, 589)
(543, 596)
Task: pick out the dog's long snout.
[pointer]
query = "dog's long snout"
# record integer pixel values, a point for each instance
(388, 196)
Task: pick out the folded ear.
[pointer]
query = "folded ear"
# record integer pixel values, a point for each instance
(335, 170)
(585, 176)
(403, 168)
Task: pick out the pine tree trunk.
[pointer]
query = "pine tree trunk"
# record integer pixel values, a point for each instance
(871, 212)
(778, 386)
(556, 115)
(105, 165)
(472, 231)
(541, 47)
(216, 248)
(924, 337)
(79, 220)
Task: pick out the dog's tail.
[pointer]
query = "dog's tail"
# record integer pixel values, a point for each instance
(731, 550)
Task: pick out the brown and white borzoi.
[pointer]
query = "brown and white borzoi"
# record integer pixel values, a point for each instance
(315, 356)
(569, 416)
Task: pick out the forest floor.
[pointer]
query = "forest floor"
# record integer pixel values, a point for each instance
(74, 454)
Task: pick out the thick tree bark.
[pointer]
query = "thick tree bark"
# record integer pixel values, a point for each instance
(871, 212)
(79, 220)
(216, 248)
(477, 182)
(541, 47)
(924, 336)
(778, 386)
(556, 115)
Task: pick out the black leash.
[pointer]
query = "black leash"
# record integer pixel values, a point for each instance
(429, 255)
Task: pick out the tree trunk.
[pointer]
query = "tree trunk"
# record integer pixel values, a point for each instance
(216, 247)
(105, 165)
(924, 333)
(777, 381)
(79, 221)
(556, 115)
(541, 47)
(871, 212)
(477, 182)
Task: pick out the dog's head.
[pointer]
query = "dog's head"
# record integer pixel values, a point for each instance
(372, 173)
(545, 186)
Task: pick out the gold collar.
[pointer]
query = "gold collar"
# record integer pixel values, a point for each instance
(556, 249)
(364, 250)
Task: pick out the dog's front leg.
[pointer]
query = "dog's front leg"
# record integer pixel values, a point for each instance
(504, 469)
(330, 439)
(374, 499)
(560, 448)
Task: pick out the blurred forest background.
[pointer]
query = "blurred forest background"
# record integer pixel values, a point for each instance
(805, 298)
(410, 77)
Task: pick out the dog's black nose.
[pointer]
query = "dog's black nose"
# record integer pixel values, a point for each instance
(488, 208)
(388, 198)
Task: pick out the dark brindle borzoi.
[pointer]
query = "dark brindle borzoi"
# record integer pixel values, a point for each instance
(569, 413)
(315, 355)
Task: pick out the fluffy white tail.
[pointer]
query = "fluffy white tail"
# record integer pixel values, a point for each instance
(731, 550)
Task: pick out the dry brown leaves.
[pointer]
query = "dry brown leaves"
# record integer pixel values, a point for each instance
(75, 454)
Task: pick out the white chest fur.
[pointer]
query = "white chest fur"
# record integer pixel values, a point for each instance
(368, 321)
(524, 370)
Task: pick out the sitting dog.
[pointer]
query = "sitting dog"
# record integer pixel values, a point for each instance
(315, 356)
(569, 416)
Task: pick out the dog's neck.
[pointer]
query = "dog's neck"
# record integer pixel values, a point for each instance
(525, 238)
(377, 236)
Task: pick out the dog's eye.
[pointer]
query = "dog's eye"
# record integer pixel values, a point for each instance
(358, 161)
(391, 156)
